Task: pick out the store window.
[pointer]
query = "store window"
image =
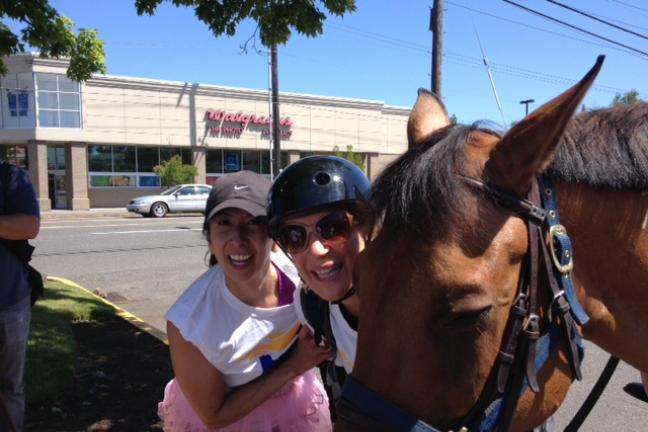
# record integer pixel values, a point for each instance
(17, 101)
(221, 161)
(129, 166)
(100, 158)
(232, 161)
(166, 153)
(214, 162)
(251, 160)
(147, 158)
(59, 101)
(15, 154)
(265, 162)
(55, 158)
(124, 158)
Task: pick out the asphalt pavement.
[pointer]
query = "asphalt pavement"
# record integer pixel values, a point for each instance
(140, 264)
(143, 264)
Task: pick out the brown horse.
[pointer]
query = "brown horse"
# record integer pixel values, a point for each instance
(438, 281)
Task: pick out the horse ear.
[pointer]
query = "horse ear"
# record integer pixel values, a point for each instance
(427, 116)
(529, 146)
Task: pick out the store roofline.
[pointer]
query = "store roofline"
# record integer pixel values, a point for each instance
(213, 89)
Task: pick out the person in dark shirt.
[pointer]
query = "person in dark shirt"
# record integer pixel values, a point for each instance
(19, 221)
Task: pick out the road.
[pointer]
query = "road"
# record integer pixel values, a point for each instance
(144, 264)
(141, 264)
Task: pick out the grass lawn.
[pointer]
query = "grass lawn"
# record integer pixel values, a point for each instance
(51, 349)
(88, 368)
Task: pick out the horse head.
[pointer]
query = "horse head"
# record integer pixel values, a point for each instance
(440, 280)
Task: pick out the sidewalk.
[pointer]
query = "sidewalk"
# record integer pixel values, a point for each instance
(117, 212)
(92, 213)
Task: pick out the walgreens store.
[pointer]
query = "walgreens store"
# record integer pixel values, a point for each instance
(95, 144)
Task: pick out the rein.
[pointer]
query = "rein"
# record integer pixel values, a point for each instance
(524, 349)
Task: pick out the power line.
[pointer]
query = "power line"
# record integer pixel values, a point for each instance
(500, 67)
(380, 37)
(625, 23)
(575, 27)
(545, 30)
(526, 73)
(630, 5)
(578, 11)
(534, 77)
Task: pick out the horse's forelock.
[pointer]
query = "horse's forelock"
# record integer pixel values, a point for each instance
(417, 192)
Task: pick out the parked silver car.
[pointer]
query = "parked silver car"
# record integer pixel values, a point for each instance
(181, 198)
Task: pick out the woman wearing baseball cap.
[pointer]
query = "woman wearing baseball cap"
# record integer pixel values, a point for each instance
(232, 333)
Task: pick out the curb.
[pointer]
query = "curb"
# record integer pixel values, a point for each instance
(123, 313)
(51, 215)
(86, 214)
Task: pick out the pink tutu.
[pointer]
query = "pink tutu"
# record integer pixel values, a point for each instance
(302, 406)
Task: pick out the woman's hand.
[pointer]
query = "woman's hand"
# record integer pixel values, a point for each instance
(306, 355)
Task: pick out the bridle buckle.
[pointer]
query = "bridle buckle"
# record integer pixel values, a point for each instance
(554, 231)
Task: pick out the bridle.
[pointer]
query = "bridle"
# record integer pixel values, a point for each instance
(525, 348)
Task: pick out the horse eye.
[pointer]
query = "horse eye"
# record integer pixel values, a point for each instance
(469, 319)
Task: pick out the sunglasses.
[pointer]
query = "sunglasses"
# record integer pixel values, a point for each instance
(335, 227)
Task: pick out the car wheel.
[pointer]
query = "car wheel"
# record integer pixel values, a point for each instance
(159, 209)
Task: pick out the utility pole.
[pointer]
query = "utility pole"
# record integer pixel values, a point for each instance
(276, 154)
(436, 27)
(270, 142)
(526, 103)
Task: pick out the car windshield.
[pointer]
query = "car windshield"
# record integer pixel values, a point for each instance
(170, 190)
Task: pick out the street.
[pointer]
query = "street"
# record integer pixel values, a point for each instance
(143, 264)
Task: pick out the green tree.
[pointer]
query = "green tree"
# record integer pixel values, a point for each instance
(275, 19)
(174, 172)
(350, 156)
(53, 35)
(627, 98)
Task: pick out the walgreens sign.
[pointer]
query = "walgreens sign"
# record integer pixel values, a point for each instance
(230, 123)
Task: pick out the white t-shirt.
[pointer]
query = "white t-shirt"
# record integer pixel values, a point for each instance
(346, 338)
(240, 340)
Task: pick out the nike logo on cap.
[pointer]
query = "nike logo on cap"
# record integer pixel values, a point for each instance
(237, 187)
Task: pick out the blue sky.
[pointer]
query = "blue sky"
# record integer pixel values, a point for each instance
(382, 52)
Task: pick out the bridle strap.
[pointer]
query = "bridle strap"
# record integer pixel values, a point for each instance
(358, 400)
(523, 207)
(532, 325)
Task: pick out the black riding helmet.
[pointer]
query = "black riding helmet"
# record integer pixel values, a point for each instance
(313, 183)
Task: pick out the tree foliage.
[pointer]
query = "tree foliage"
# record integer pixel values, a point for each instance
(350, 156)
(627, 98)
(174, 172)
(275, 18)
(53, 35)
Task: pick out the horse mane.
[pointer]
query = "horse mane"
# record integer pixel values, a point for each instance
(419, 188)
(606, 148)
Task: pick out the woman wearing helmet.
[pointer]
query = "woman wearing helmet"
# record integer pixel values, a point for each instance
(318, 215)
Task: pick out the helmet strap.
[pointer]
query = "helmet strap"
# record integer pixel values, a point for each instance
(348, 294)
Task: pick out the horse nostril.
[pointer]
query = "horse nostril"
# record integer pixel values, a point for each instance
(322, 178)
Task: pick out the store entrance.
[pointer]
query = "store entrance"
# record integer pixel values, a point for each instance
(57, 190)
(56, 177)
